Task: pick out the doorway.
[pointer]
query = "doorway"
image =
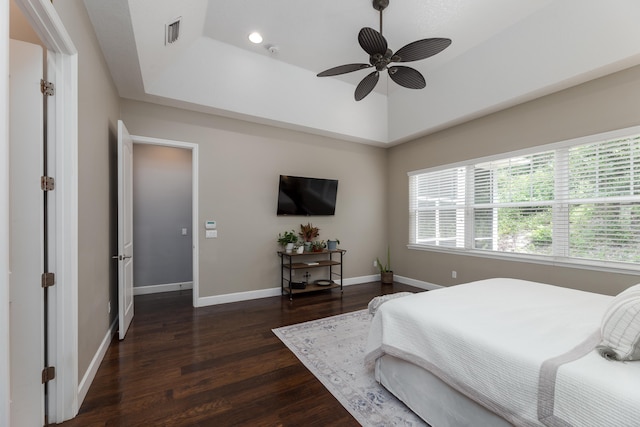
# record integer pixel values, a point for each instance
(171, 225)
(162, 219)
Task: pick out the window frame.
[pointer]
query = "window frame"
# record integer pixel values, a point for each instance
(558, 257)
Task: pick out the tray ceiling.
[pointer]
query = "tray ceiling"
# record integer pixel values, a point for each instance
(504, 52)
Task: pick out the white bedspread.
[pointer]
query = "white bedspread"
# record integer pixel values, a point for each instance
(489, 340)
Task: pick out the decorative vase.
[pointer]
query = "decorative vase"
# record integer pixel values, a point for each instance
(332, 245)
(386, 278)
(307, 246)
(289, 248)
(300, 249)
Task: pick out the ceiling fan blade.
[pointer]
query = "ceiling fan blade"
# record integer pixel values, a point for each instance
(372, 41)
(407, 77)
(366, 85)
(421, 49)
(343, 69)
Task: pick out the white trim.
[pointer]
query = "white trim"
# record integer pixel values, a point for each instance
(271, 292)
(158, 289)
(417, 283)
(5, 367)
(92, 370)
(63, 124)
(237, 297)
(361, 279)
(63, 131)
(195, 200)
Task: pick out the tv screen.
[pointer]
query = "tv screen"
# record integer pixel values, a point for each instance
(306, 196)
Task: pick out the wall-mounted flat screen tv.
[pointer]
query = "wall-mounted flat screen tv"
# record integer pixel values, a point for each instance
(306, 196)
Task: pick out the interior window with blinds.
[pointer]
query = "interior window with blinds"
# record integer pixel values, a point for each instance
(574, 202)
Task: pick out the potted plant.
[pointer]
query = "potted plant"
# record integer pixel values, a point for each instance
(308, 233)
(287, 240)
(332, 244)
(386, 273)
(318, 246)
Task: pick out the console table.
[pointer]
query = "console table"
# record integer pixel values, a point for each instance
(332, 260)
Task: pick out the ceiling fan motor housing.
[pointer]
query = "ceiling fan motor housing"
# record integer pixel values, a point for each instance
(381, 61)
(380, 4)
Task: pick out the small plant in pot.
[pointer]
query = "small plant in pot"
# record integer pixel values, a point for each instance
(288, 239)
(386, 273)
(332, 244)
(308, 232)
(318, 246)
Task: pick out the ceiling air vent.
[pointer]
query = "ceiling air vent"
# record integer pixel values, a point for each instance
(173, 31)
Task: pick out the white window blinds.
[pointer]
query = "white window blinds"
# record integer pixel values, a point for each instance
(437, 205)
(570, 201)
(604, 200)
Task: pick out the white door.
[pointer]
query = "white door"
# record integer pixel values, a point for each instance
(26, 235)
(125, 229)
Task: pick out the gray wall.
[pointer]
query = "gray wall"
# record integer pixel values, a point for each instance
(239, 166)
(161, 209)
(605, 104)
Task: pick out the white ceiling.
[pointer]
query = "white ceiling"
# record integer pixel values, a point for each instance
(504, 52)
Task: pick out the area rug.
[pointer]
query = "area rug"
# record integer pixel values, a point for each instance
(333, 350)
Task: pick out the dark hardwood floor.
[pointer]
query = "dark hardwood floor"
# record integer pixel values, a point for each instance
(219, 365)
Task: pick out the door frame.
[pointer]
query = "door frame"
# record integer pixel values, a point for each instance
(5, 367)
(194, 201)
(62, 135)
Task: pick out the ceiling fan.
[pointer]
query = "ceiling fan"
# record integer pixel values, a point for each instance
(380, 56)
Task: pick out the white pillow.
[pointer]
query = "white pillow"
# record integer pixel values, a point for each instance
(621, 327)
(632, 291)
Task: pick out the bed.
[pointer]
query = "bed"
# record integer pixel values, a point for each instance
(505, 352)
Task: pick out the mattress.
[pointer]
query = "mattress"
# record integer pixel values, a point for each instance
(523, 350)
(431, 398)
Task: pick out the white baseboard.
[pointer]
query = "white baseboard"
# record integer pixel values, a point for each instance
(417, 283)
(361, 279)
(271, 292)
(156, 289)
(238, 296)
(274, 292)
(88, 377)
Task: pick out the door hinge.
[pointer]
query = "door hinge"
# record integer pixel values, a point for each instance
(47, 183)
(48, 374)
(47, 88)
(48, 279)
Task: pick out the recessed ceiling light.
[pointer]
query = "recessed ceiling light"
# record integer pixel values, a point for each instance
(255, 37)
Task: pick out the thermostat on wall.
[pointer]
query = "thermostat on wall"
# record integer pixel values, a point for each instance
(210, 225)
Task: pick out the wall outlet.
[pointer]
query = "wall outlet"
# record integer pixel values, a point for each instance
(454, 274)
(109, 307)
(375, 262)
